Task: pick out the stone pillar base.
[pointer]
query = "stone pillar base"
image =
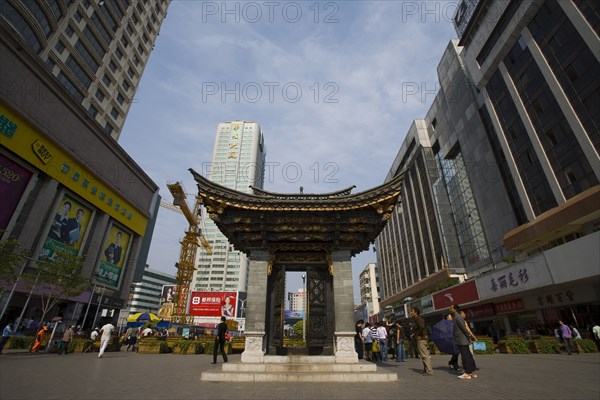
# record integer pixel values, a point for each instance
(253, 352)
(344, 348)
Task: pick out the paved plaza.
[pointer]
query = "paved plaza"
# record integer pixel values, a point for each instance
(124, 375)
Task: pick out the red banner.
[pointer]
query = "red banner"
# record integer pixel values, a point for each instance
(509, 306)
(213, 304)
(461, 294)
(482, 311)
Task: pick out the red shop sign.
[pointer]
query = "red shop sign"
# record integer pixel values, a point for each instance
(465, 293)
(482, 311)
(509, 306)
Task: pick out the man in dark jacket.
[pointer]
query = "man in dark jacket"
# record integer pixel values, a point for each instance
(220, 340)
(422, 336)
(462, 338)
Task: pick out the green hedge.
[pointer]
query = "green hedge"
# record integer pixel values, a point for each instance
(20, 342)
(516, 345)
(587, 345)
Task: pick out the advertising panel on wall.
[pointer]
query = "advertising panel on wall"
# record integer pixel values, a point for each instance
(36, 149)
(13, 182)
(461, 294)
(68, 229)
(293, 314)
(585, 250)
(167, 302)
(559, 296)
(213, 304)
(517, 277)
(112, 262)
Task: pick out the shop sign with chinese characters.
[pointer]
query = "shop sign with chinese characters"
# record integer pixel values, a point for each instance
(561, 297)
(515, 278)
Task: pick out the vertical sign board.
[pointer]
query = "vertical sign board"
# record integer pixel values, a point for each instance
(68, 229)
(13, 182)
(114, 254)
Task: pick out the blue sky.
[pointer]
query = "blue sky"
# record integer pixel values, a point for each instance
(334, 85)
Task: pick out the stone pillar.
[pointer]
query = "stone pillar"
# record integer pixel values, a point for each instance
(343, 294)
(256, 308)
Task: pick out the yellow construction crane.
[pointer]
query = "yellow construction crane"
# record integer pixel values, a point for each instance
(192, 240)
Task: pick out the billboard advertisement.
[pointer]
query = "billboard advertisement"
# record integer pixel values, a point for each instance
(13, 182)
(167, 302)
(213, 304)
(114, 254)
(293, 314)
(68, 229)
(459, 294)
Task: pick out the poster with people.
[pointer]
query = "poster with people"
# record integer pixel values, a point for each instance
(213, 304)
(114, 253)
(13, 182)
(167, 302)
(69, 226)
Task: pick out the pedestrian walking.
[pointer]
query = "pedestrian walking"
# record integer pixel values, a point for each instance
(382, 337)
(132, 339)
(6, 332)
(462, 338)
(453, 362)
(39, 338)
(105, 333)
(421, 336)
(566, 334)
(220, 340)
(596, 334)
(66, 339)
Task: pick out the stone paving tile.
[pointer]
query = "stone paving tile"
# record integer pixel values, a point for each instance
(132, 376)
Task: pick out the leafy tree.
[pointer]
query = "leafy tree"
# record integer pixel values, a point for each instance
(299, 328)
(11, 258)
(57, 278)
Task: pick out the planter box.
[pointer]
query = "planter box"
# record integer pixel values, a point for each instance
(504, 348)
(190, 350)
(145, 348)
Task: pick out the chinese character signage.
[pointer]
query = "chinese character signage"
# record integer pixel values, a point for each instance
(515, 278)
(560, 297)
(213, 304)
(114, 254)
(13, 182)
(69, 226)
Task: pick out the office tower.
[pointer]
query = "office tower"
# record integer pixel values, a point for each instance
(238, 162)
(68, 72)
(96, 49)
(502, 175)
(369, 290)
(146, 295)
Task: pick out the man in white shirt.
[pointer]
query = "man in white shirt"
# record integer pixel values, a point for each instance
(382, 336)
(94, 334)
(105, 331)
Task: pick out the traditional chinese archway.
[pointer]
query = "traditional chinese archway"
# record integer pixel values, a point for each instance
(316, 233)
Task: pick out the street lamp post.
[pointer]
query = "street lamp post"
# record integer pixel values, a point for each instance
(98, 308)
(88, 307)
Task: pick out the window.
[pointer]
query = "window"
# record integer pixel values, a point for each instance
(112, 66)
(120, 98)
(59, 47)
(99, 95)
(92, 111)
(571, 73)
(114, 113)
(108, 128)
(69, 31)
(130, 72)
(106, 80)
(125, 85)
(124, 41)
(118, 53)
(129, 30)
(78, 16)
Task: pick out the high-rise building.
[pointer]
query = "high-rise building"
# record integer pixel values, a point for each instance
(238, 162)
(97, 50)
(502, 173)
(68, 73)
(369, 291)
(298, 300)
